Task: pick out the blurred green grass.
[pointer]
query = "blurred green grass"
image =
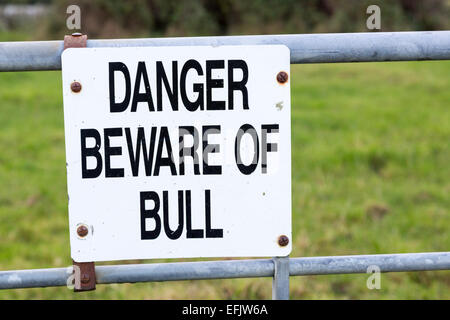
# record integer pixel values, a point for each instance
(370, 174)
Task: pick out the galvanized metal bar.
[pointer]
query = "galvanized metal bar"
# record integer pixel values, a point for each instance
(360, 263)
(227, 269)
(35, 278)
(280, 281)
(230, 269)
(305, 48)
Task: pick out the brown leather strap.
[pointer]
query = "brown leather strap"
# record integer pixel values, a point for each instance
(76, 40)
(85, 279)
(84, 276)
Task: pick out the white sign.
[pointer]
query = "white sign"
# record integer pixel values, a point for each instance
(178, 152)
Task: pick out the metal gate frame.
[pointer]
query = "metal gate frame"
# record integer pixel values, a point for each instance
(305, 48)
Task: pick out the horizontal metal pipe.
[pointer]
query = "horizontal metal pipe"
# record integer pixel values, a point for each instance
(360, 263)
(185, 271)
(230, 269)
(305, 48)
(34, 278)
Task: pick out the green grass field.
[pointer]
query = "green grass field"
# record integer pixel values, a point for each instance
(370, 174)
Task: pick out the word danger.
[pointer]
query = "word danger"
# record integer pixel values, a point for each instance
(153, 150)
(177, 85)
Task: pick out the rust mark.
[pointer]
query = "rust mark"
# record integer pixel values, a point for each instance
(279, 105)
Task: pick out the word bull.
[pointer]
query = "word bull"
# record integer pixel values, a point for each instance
(184, 208)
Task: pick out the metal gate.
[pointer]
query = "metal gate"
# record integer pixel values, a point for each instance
(307, 48)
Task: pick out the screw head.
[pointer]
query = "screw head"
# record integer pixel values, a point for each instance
(282, 77)
(82, 231)
(283, 241)
(84, 278)
(75, 86)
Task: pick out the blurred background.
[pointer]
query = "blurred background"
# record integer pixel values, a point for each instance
(370, 144)
(46, 19)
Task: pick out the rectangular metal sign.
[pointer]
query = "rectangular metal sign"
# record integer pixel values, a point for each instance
(178, 152)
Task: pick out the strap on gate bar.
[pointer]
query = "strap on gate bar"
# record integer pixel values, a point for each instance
(76, 40)
(85, 279)
(84, 276)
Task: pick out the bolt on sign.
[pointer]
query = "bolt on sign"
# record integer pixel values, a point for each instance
(178, 152)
